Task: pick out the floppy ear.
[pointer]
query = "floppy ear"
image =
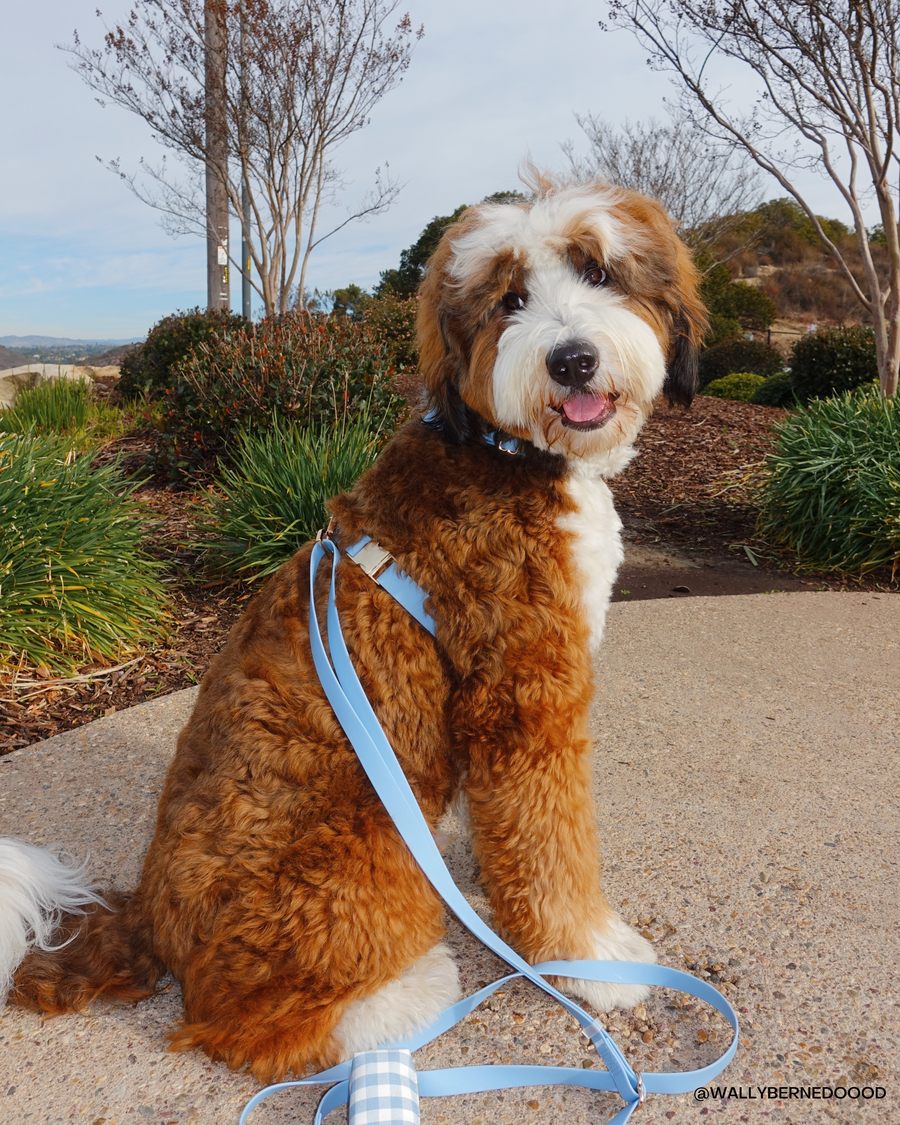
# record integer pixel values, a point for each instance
(681, 366)
(688, 329)
(441, 361)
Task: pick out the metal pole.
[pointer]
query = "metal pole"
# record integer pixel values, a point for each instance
(217, 285)
(245, 251)
(246, 301)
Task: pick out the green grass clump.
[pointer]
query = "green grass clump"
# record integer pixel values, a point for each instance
(59, 406)
(833, 493)
(74, 581)
(740, 387)
(273, 500)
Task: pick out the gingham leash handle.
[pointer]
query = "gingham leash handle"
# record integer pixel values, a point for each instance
(361, 726)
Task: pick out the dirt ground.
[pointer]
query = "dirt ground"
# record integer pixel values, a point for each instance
(689, 529)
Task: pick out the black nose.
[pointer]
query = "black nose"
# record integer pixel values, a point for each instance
(573, 364)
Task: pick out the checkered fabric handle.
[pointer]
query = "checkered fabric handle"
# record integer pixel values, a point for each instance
(384, 1089)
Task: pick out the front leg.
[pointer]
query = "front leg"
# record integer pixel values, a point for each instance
(533, 831)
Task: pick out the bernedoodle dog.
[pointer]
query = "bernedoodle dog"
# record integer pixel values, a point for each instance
(276, 888)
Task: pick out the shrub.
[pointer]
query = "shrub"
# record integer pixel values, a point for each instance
(273, 500)
(392, 319)
(774, 391)
(60, 406)
(733, 304)
(833, 361)
(833, 493)
(739, 386)
(149, 369)
(721, 328)
(74, 580)
(739, 355)
(307, 370)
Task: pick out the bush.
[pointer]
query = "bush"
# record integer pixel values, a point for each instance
(74, 581)
(392, 319)
(739, 355)
(774, 391)
(60, 406)
(833, 494)
(721, 329)
(733, 305)
(833, 361)
(149, 369)
(739, 386)
(273, 501)
(307, 370)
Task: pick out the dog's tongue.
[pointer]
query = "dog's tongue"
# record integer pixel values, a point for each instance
(586, 408)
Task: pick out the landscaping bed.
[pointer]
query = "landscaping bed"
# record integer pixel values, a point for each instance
(690, 529)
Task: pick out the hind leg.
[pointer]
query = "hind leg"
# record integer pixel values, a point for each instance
(309, 961)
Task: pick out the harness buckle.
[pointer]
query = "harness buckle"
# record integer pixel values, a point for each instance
(372, 558)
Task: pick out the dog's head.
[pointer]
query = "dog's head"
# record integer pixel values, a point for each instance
(560, 321)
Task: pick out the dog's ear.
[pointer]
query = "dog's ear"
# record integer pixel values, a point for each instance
(688, 329)
(681, 365)
(442, 363)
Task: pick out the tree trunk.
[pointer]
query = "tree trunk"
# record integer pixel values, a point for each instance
(218, 288)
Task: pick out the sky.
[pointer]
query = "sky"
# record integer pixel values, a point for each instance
(490, 85)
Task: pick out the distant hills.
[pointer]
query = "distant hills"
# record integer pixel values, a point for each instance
(16, 351)
(20, 342)
(10, 358)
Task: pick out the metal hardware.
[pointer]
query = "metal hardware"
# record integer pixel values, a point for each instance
(325, 533)
(373, 558)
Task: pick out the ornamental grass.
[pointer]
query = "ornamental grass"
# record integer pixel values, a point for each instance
(833, 491)
(60, 406)
(273, 500)
(75, 583)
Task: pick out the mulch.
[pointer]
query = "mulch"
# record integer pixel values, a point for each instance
(687, 494)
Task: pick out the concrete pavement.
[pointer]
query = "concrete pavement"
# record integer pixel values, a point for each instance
(749, 802)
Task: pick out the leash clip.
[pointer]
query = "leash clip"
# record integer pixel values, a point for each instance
(326, 533)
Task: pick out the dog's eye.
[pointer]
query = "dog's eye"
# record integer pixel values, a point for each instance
(595, 275)
(512, 301)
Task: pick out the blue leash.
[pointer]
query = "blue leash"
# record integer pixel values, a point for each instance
(362, 728)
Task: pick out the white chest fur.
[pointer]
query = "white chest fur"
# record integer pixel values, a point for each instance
(596, 545)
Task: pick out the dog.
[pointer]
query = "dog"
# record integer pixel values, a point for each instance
(276, 888)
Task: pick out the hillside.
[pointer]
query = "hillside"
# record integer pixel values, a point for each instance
(10, 358)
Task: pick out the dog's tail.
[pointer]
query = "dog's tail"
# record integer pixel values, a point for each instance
(61, 943)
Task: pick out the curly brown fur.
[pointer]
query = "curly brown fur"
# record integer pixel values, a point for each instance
(276, 888)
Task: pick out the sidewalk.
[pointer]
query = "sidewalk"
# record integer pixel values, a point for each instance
(749, 804)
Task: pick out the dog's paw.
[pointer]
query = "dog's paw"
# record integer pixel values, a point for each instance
(618, 943)
(402, 1007)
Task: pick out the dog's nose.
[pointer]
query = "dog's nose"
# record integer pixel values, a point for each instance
(573, 364)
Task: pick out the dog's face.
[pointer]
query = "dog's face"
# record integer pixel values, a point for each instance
(561, 321)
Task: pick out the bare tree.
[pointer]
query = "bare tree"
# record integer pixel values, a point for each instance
(829, 77)
(705, 186)
(297, 77)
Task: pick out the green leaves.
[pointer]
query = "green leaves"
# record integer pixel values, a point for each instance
(273, 500)
(833, 494)
(74, 580)
(307, 370)
(832, 361)
(741, 386)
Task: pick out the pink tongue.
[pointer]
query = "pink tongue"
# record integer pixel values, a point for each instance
(585, 408)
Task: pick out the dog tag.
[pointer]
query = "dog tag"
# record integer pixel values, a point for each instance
(384, 1089)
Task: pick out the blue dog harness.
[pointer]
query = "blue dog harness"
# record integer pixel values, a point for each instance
(382, 1086)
